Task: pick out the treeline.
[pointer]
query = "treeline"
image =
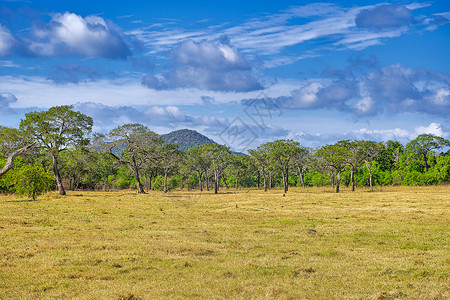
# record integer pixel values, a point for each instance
(55, 149)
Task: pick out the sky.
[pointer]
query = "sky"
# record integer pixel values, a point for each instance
(241, 72)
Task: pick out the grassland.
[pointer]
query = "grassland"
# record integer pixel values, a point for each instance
(311, 244)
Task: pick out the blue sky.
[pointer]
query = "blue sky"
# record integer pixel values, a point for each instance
(241, 72)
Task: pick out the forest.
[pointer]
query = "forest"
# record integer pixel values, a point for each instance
(56, 149)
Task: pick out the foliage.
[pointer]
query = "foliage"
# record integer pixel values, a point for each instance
(56, 130)
(33, 181)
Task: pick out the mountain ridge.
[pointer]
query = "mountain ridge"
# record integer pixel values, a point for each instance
(186, 139)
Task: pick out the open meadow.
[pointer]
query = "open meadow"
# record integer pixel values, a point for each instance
(392, 243)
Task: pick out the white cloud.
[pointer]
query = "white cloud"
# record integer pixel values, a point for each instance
(70, 34)
(6, 41)
(205, 65)
(432, 128)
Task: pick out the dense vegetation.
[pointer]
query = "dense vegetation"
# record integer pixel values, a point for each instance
(132, 156)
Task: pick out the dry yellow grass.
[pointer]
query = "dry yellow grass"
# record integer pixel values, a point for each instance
(312, 244)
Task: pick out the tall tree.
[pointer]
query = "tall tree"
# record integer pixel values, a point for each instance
(424, 144)
(335, 157)
(195, 161)
(280, 153)
(260, 157)
(299, 162)
(132, 145)
(216, 154)
(167, 158)
(56, 130)
(370, 151)
(354, 158)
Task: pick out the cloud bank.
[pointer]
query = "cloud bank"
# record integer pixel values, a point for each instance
(215, 66)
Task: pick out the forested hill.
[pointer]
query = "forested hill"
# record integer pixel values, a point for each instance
(186, 139)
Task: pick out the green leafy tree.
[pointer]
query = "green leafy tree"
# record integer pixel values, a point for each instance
(167, 159)
(56, 130)
(370, 151)
(280, 154)
(33, 181)
(216, 155)
(335, 157)
(424, 144)
(261, 159)
(300, 161)
(131, 145)
(195, 161)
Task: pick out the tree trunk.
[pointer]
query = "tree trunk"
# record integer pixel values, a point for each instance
(216, 182)
(59, 183)
(370, 180)
(300, 176)
(10, 162)
(237, 181)
(352, 178)
(207, 181)
(270, 181)
(150, 181)
(165, 180)
(426, 162)
(134, 169)
(225, 182)
(286, 186)
(258, 178)
(264, 179)
(146, 182)
(338, 181)
(200, 180)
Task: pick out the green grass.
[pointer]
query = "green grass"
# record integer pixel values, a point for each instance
(312, 244)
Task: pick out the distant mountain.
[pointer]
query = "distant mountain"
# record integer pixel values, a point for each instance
(186, 139)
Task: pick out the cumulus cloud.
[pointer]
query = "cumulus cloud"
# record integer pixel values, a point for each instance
(379, 135)
(433, 128)
(393, 89)
(6, 99)
(7, 41)
(69, 34)
(383, 17)
(215, 66)
(401, 89)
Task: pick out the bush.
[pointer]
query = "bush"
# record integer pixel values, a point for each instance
(158, 183)
(33, 181)
(319, 180)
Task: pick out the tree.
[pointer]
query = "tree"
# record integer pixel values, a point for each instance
(390, 155)
(354, 158)
(196, 162)
(216, 154)
(370, 150)
(424, 144)
(56, 130)
(280, 153)
(167, 159)
(132, 145)
(299, 162)
(260, 157)
(335, 157)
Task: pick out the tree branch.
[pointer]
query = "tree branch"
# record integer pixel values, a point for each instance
(13, 156)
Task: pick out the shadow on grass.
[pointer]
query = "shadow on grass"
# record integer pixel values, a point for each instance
(19, 201)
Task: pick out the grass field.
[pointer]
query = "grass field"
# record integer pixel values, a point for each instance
(312, 244)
